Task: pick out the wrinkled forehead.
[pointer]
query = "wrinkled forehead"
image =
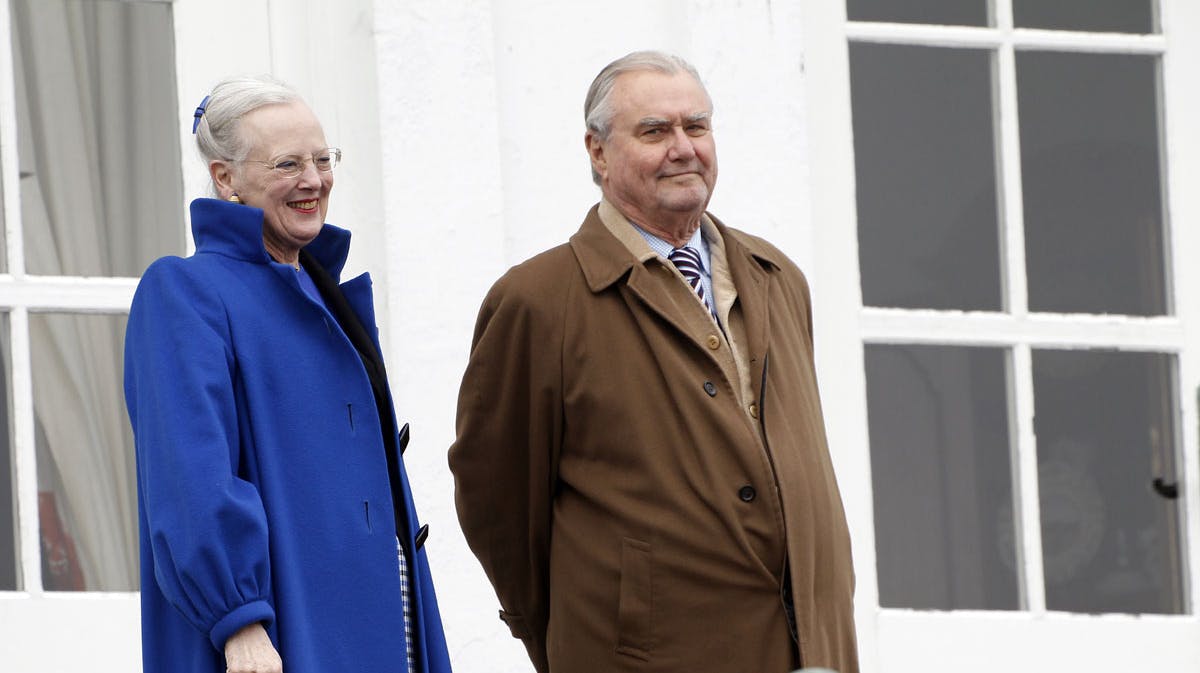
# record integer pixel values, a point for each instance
(650, 93)
(281, 128)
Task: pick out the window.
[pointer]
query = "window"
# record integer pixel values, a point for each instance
(1085, 194)
(97, 197)
(1088, 203)
(1013, 179)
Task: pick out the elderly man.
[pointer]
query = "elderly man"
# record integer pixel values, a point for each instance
(641, 464)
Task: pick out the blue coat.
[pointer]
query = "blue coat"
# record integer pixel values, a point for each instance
(263, 490)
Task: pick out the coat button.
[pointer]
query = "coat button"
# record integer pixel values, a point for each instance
(753, 410)
(714, 341)
(710, 389)
(747, 493)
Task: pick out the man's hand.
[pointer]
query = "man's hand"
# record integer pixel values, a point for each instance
(250, 651)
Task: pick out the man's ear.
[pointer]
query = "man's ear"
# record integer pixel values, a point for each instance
(222, 177)
(595, 150)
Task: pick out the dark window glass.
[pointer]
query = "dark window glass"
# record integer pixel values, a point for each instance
(928, 232)
(1093, 184)
(1110, 16)
(98, 131)
(10, 573)
(87, 501)
(3, 234)
(1111, 539)
(955, 12)
(941, 474)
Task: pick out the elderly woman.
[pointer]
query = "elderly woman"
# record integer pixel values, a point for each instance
(277, 525)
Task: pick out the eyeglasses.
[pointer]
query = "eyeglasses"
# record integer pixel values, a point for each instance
(291, 165)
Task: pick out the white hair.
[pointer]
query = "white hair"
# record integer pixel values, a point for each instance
(597, 107)
(218, 132)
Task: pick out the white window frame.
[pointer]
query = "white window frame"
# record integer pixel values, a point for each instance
(98, 622)
(48, 631)
(1034, 638)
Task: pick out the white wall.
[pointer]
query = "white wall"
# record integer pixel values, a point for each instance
(481, 109)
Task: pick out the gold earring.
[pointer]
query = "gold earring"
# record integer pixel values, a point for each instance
(234, 198)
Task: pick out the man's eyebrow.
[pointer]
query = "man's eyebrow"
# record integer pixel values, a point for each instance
(663, 121)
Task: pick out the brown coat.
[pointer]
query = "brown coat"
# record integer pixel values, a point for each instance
(630, 511)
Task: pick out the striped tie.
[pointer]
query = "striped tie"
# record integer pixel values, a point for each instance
(687, 260)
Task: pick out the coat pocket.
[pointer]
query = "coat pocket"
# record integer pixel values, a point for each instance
(635, 606)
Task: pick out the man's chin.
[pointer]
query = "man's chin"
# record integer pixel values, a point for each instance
(693, 201)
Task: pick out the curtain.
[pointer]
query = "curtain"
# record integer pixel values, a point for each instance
(101, 195)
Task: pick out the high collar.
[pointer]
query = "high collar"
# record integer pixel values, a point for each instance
(604, 258)
(235, 230)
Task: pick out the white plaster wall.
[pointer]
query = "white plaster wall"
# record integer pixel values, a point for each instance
(444, 209)
(481, 109)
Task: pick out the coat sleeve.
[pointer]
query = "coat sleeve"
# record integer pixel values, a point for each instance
(206, 527)
(505, 457)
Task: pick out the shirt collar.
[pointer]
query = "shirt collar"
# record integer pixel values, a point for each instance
(647, 245)
(663, 248)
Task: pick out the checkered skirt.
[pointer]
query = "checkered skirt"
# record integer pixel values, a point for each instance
(406, 599)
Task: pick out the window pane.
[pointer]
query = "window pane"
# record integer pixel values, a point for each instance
(10, 576)
(1112, 16)
(1111, 542)
(928, 231)
(941, 475)
(1093, 184)
(86, 495)
(101, 187)
(958, 12)
(3, 233)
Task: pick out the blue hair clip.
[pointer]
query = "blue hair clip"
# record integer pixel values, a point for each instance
(199, 114)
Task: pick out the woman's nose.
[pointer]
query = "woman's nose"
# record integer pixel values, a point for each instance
(309, 175)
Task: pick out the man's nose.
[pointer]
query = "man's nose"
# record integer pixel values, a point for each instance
(681, 148)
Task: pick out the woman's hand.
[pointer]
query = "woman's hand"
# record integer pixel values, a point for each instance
(250, 651)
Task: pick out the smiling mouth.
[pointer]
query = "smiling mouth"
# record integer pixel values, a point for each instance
(304, 206)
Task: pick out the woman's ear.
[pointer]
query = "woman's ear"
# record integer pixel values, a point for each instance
(222, 178)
